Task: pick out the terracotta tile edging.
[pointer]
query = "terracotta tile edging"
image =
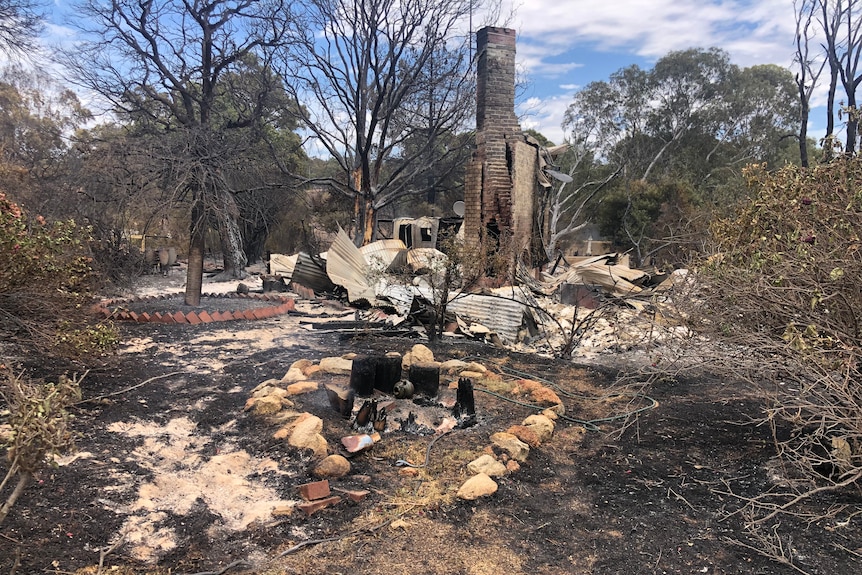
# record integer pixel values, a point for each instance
(281, 305)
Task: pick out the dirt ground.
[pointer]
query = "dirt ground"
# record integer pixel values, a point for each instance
(172, 476)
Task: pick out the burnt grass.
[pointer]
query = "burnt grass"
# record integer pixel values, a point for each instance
(661, 493)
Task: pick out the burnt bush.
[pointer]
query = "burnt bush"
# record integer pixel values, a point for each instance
(783, 288)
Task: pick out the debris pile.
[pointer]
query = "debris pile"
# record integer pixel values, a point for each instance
(578, 307)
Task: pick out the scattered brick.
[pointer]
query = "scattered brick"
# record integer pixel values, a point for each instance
(311, 507)
(315, 490)
(356, 495)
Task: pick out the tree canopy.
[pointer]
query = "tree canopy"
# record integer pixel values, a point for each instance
(695, 119)
(170, 65)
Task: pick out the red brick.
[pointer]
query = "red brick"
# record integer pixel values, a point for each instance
(315, 490)
(146, 317)
(179, 317)
(356, 495)
(192, 318)
(311, 507)
(248, 314)
(261, 313)
(133, 316)
(205, 317)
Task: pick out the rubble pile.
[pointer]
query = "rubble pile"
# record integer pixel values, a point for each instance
(579, 307)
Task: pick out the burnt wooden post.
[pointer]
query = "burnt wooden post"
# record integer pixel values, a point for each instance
(388, 372)
(465, 404)
(366, 414)
(363, 375)
(425, 378)
(464, 398)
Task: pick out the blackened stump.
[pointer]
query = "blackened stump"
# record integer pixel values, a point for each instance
(425, 378)
(388, 372)
(363, 374)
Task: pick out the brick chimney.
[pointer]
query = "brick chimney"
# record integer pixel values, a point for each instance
(500, 180)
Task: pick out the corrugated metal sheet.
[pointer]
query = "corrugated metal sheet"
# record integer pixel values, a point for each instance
(282, 265)
(383, 253)
(426, 258)
(311, 272)
(346, 266)
(400, 296)
(501, 315)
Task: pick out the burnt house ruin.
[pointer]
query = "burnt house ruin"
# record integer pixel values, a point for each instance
(502, 178)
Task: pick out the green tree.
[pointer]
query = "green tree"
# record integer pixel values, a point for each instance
(36, 118)
(694, 120)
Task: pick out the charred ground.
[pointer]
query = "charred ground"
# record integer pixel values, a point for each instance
(657, 494)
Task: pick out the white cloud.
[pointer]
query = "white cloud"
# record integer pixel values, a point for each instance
(545, 115)
(571, 31)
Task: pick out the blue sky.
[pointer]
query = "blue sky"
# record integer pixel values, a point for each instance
(565, 44)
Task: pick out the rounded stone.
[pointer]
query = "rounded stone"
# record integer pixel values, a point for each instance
(477, 486)
(488, 465)
(332, 466)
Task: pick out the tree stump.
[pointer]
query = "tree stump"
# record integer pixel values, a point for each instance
(363, 375)
(425, 378)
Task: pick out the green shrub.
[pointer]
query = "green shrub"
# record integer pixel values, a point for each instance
(46, 282)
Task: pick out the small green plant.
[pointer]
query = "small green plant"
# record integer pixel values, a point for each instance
(92, 340)
(40, 426)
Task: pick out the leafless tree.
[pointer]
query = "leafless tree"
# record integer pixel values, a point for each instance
(20, 23)
(809, 69)
(163, 63)
(377, 83)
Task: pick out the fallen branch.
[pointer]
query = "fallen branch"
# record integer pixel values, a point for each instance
(781, 560)
(103, 553)
(23, 479)
(128, 389)
(810, 493)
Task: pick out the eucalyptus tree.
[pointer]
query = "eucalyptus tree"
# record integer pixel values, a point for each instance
(164, 63)
(36, 118)
(693, 121)
(377, 84)
(829, 37)
(692, 115)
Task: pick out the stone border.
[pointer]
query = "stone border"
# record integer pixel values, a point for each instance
(285, 305)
